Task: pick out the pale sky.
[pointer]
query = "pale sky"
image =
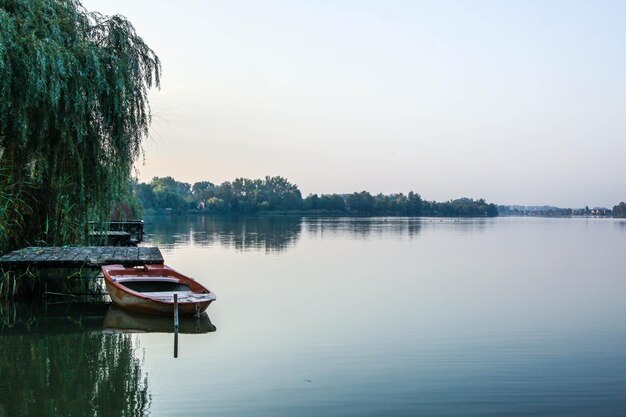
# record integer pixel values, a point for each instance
(518, 102)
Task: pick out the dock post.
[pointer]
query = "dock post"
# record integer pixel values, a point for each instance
(176, 312)
(176, 344)
(175, 325)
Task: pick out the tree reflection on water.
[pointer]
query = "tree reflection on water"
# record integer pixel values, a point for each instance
(78, 373)
(363, 227)
(267, 233)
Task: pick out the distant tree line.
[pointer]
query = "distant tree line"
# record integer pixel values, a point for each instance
(550, 211)
(541, 211)
(277, 194)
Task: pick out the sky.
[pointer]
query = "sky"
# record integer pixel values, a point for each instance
(517, 102)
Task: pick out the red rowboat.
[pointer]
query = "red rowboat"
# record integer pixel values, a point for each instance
(151, 289)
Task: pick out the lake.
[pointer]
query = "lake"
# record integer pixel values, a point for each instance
(352, 317)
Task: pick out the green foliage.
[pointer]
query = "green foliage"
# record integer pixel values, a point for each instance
(73, 112)
(381, 204)
(13, 207)
(242, 196)
(361, 203)
(619, 210)
(246, 196)
(170, 185)
(462, 207)
(325, 203)
(169, 193)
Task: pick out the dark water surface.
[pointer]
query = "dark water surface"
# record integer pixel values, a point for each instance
(351, 317)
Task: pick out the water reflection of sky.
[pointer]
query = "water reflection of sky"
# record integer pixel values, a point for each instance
(273, 233)
(401, 316)
(395, 316)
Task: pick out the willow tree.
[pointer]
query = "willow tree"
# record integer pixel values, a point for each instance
(73, 114)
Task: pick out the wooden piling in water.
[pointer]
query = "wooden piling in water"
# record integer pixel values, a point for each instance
(175, 312)
(175, 325)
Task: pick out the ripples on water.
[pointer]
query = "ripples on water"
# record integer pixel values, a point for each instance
(348, 317)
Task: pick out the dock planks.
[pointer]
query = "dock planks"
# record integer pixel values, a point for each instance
(80, 256)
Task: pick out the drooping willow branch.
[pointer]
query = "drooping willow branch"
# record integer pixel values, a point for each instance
(73, 113)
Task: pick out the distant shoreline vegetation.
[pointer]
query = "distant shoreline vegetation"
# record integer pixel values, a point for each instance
(550, 211)
(276, 195)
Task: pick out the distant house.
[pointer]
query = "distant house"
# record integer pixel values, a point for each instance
(600, 211)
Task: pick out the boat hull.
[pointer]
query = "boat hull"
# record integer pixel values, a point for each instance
(143, 303)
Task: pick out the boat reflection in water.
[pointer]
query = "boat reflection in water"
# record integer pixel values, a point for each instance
(75, 359)
(118, 320)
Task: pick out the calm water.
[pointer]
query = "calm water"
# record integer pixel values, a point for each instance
(351, 317)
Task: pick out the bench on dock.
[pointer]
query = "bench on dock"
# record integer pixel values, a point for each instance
(111, 238)
(114, 229)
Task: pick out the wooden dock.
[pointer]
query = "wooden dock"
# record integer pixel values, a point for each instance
(80, 256)
(66, 270)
